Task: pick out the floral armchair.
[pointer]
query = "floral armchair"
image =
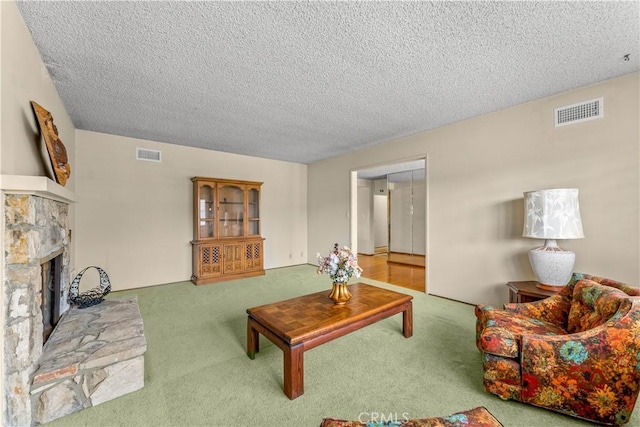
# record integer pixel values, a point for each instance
(577, 352)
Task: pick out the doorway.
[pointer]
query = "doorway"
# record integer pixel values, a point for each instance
(389, 222)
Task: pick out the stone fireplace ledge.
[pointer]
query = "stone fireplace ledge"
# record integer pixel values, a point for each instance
(93, 355)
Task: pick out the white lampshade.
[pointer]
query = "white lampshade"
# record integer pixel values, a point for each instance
(550, 215)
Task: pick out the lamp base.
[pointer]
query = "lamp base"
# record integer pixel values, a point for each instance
(550, 288)
(552, 265)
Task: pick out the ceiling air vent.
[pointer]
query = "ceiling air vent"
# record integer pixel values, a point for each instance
(148, 155)
(581, 112)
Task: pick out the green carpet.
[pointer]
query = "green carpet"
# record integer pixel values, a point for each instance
(197, 372)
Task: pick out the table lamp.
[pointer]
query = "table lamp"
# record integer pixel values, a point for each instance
(550, 215)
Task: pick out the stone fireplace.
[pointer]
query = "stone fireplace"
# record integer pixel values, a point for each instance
(57, 359)
(36, 232)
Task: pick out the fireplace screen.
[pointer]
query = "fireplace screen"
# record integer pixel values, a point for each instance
(51, 274)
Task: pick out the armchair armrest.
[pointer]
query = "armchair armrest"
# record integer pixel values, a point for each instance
(593, 374)
(554, 309)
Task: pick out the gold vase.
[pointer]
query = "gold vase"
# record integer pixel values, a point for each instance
(340, 293)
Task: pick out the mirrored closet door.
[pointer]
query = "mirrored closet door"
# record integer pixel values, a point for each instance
(407, 221)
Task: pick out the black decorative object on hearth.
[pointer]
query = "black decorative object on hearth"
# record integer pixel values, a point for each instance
(93, 296)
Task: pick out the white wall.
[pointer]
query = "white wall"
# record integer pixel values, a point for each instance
(380, 187)
(134, 218)
(24, 78)
(365, 217)
(380, 221)
(477, 170)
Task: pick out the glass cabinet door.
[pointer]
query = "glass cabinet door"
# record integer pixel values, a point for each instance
(253, 207)
(206, 211)
(231, 214)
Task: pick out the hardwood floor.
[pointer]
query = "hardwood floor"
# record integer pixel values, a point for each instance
(376, 267)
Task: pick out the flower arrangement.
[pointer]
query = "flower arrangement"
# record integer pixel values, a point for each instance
(341, 264)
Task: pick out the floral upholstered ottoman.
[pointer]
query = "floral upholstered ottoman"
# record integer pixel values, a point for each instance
(476, 417)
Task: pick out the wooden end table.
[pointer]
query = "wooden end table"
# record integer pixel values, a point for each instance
(300, 324)
(527, 291)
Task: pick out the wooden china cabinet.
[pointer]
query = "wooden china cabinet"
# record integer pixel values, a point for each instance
(226, 230)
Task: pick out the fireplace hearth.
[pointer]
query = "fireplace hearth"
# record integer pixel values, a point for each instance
(91, 355)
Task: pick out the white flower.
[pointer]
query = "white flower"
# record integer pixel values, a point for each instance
(340, 264)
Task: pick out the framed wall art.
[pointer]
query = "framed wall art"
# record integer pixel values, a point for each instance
(55, 147)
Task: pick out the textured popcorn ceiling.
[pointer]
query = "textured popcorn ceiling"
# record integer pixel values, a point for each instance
(303, 81)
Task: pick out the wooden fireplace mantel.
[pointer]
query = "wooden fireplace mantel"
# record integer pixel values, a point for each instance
(36, 185)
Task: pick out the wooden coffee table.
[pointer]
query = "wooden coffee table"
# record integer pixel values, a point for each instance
(300, 324)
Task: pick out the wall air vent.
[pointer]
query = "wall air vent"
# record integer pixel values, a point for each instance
(581, 112)
(148, 155)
